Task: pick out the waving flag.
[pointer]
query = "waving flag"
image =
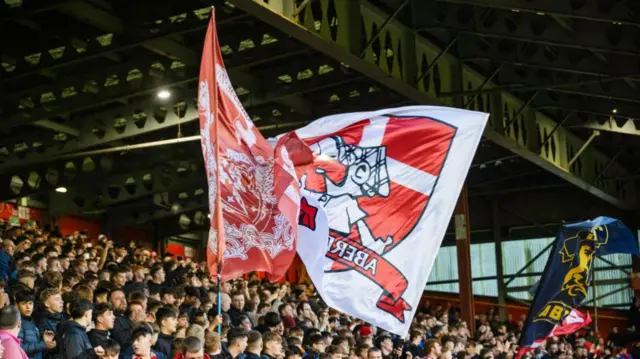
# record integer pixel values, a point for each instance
(254, 198)
(567, 276)
(376, 202)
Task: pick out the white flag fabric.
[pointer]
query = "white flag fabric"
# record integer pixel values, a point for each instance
(376, 203)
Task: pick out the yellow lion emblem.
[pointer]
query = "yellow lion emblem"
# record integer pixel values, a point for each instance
(577, 278)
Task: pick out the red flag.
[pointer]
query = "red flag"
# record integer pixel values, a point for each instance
(256, 195)
(573, 322)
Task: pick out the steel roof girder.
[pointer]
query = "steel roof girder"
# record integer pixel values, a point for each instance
(387, 70)
(556, 59)
(520, 26)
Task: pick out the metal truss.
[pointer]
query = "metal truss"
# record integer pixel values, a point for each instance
(190, 221)
(530, 27)
(604, 88)
(75, 51)
(160, 209)
(543, 57)
(420, 71)
(27, 8)
(626, 126)
(127, 187)
(616, 12)
(147, 116)
(122, 82)
(56, 174)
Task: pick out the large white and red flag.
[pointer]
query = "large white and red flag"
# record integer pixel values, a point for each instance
(254, 198)
(376, 202)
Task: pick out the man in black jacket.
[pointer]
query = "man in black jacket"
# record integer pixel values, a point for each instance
(167, 320)
(74, 341)
(104, 320)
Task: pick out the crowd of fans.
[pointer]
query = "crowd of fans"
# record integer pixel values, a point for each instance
(75, 298)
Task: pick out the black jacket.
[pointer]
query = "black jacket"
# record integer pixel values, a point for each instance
(74, 343)
(46, 320)
(121, 331)
(163, 345)
(98, 337)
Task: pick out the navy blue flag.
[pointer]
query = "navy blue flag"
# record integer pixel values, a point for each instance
(567, 276)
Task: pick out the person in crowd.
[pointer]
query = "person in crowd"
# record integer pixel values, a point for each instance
(104, 320)
(236, 343)
(9, 330)
(74, 343)
(167, 320)
(32, 341)
(80, 297)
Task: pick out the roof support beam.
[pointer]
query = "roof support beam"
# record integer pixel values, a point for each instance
(74, 51)
(530, 27)
(617, 125)
(544, 57)
(590, 10)
(399, 73)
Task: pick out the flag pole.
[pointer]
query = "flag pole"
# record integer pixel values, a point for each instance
(218, 208)
(595, 295)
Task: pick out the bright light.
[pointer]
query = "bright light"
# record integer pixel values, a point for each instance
(209, 215)
(61, 189)
(615, 110)
(164, 94)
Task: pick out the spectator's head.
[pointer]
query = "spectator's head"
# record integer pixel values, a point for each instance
(192, 348)
(196, 330)
(167, 319)
(244, 322)
(158, 274)
(51, 298)
(81, 311)
(120, 277)
(212, 343)
(28, 278)
(226, 301)
(142, 341)
(84, 291)
(118, 301)
(103, 317)
(237, 301)
(273, 321)
(254, 342)
(101, 295)
(24, 301)
(10, 320)
(317, 343)
(374, 353)
(236, 341)
(111, 349)
(432, 348)
(168, 295)
(272, 344)
(135, 312)
(8, 247)
(293, 353)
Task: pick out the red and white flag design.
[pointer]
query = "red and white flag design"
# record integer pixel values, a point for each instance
(573, 322)
(376, 203)
(255, 197)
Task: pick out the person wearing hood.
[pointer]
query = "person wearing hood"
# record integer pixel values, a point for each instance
(75, 342)
(33, 343)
